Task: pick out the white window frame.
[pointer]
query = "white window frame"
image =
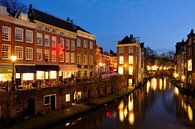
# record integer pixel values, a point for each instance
(8, 33)
(84, 43)
(30, 36)
(53, 41)
(121, 59)
(78, 42)
(91, 45)
(72, 57)
(47, 52)
(21, 34)
(47, 37)
(39, 35)
(29, 48)
(39, 51)
(8, 52)
(67, 96)
(72, 45)
(19, 58)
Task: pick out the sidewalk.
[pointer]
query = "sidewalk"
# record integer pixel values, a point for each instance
(58, 117)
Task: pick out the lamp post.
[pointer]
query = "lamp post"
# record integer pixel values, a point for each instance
(13, 59)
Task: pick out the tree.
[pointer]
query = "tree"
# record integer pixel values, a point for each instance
(13, 6)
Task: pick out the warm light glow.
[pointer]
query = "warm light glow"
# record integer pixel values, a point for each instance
(121, 60)
(13, 58)
(165, 84)
(5, 77)
(120, 70)
(160, 84)
(100, 64)
(121, 115)
(130, 59)
(176, 75)
(190, 113)
(125, 111)
(148, 86)
(190, 65)
(183, 78)
(130, 104)
(154, 83)
(121, 105)
(130, 81)
(27, 76)
(125, 65)
(131, 118)
(130, 70)
(40, 75)
(176, 91)
(53, 74)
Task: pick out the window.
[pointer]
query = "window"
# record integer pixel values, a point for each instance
(121, 60)
(130, 59)
(85, 59)
(53, 74)
(53, 56)
(130, 70)
(18, 34)
(28, 76)
(62, 43)
(46, 55)
(53, 41)
(6, 33)
(40, 75)
(29, 53)
(39, 39)
(39, 54)
(78, 42)
(130, 50)
(67, 57)
(29, 36)
(120, 70)
(120, 50)
(72, 57)
(91, 59)
(46, 100)
(47, 40)
(79, 95)
(84, 43)
(190, 65)
(19, 52)
(72, 45)
(67, 44)
(67, 97)
(78, 59)
(62, 57)
(6, 51)
(91, 45)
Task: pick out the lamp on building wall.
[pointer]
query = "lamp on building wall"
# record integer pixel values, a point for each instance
(13, 59)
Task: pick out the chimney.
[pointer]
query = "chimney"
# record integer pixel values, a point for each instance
(68, 19)
(131, 36)
(192, 31)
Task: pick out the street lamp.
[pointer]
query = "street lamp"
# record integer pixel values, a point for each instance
(13, 59)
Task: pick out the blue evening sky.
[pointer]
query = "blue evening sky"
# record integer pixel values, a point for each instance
(159, 23)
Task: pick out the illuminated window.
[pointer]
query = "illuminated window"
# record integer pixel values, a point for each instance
(67, 44)
(53, 56)
(67, 97)
(67, 57)
(53, 41)
(40, 75)
(91, 59)
(39, 38)
(19, 52)
(29, 36)
(5, 77)
(62, 43)
(190, 65)
(130, 70)
(121, 60)
(17, 75)
(53, 74)
(6, 51)
(47, 55)
(6, 33)
(130, 82)
(78, 59)
(79, 95)
(46, 75)
(29, 53)
(62, 57)
(39, 54)
(18, 34)
(120, 70)
(130, 59)
(47, 40)
(85, 59)
(72, 57)
(28, 76)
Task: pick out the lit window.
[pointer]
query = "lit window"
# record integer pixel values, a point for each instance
(39, 38)
(46, 55)
(53, 41)
(72, 57)
(72, 45)
(29, 36)
(67, 57)
(67, 44)
(130, 82)
(17, 75)
(62, 57)
(67, 97)
(62, 43)
(47, 40)
(78, 42)
(46, 75)
(79, 95)
(130, 70)
(121, 60)
(6, 33)
(91, 45)
(19, 52)
(40, 75)
(6, 51)
(190, 65)
(130, 59)
(85, 59)
(91, 59)
(53, 74)
(120, 70)
(39, 54)
(53, 56)
(29, 53)
(18, 34)
(5, 77)
(28, 76)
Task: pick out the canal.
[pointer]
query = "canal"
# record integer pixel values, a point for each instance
(158, 105)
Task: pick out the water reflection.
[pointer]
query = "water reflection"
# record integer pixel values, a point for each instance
(157, 105)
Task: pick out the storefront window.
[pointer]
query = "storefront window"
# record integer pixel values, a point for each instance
(79, 95)
(5, 77)
(46, 75)
(53, 75)
(67, 97)
(17, 75)
(28, 76)
(40, 75)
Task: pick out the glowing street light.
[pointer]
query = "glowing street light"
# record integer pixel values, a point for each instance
(13, 59)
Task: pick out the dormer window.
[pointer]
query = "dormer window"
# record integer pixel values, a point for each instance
(3, 10)
(23, 16)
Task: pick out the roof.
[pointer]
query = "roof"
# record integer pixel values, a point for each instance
(128, 40)
(79, 28)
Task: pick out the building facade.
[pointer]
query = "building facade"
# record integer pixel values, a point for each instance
(130, 58)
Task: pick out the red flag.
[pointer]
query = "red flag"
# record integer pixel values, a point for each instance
(59, 49)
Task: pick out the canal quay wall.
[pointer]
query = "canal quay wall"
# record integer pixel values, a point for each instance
(20, 105)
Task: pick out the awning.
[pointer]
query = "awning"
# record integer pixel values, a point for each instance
(25, 69)
(47, 67)
(5, 68)
(68, 68)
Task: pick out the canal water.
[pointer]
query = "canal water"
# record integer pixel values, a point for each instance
(158, 105)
